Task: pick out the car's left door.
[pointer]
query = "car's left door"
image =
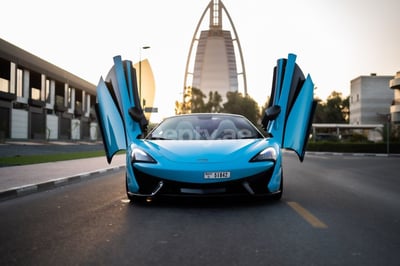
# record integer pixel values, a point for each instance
(118, 109)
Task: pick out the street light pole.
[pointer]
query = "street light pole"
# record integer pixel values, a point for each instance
(140, 73)
(388, 134)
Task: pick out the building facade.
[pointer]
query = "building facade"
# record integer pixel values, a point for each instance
(215, 66)
(395, 107)
(39, 100)
(370, 99)
(146, 86)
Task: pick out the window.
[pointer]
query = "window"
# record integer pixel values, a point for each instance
(205, 127)
(59, 94)
(4, 85)
(35, 84)
(4, 75)
(79, 101)
(59, 101)
(35, 94)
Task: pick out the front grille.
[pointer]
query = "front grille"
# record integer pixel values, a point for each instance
(258, 183)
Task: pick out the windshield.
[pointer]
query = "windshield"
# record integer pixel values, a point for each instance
(205, 127)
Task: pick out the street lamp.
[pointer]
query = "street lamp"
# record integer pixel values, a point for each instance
(140, 73)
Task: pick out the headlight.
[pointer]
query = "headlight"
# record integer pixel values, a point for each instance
(139, 156)
(269, 154)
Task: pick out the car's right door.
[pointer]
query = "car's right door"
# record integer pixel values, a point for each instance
(291, 106)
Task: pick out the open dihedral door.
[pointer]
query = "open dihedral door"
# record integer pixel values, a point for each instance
(118, 109)
(291, 107)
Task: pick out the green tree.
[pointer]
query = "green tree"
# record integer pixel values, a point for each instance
(243, 105)
(334, 110)
(197, 101)
(199, 106)
(236, 104)
(319, 115)
(214, 102)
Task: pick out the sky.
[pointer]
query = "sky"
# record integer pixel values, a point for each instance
(335, 40)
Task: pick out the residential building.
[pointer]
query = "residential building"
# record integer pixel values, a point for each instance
(370, 99)
(395, 107)
(39, 100)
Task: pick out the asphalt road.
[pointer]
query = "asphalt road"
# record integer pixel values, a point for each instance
(335, 211)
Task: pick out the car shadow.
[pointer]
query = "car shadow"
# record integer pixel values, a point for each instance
(206, 202)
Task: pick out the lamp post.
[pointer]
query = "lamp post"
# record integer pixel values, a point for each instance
(140, 73)
(388, 117)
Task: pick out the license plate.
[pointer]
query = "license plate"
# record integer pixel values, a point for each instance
(217, 175)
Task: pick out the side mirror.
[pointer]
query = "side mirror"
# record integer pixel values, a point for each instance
(270, 114)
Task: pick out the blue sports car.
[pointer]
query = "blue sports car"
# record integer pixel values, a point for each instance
(206, 154)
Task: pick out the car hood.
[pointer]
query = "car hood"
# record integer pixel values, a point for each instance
(205, 151)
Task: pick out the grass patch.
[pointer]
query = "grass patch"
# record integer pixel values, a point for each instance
(33, 159)
(351, 147)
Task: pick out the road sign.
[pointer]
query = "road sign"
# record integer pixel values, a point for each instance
(151, 109)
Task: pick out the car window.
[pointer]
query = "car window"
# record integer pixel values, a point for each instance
(205, 127)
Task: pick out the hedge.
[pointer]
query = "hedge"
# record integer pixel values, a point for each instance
(353, 147)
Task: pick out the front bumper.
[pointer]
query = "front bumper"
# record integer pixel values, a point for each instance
(151, 186)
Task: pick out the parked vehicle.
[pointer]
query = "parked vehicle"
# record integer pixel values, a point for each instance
(205, 154)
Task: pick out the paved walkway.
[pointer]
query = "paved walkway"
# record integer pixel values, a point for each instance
(21, 180)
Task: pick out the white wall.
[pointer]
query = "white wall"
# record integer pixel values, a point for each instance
(19, 122)
(75, 129)
(52, 127)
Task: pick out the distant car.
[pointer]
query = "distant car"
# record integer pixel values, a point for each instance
(207, 154)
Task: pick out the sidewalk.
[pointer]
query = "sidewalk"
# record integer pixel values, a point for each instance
(17, 181)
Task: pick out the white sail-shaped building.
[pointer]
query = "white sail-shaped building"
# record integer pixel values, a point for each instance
(215, 61)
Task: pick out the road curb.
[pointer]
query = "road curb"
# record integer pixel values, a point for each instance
(54, 183)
